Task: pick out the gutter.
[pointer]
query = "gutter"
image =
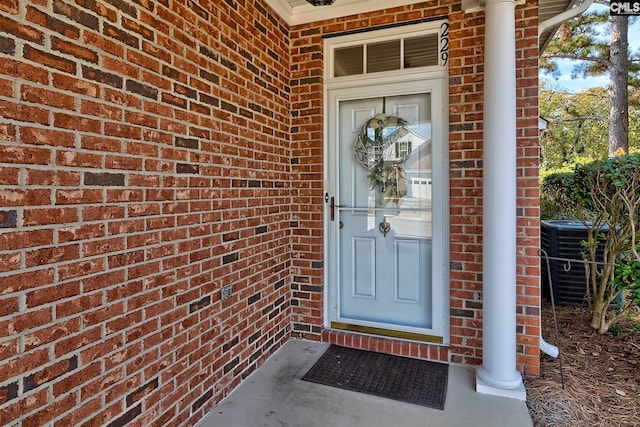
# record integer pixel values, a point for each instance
(564, 16)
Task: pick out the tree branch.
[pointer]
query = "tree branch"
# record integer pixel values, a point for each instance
(578, 119)
(576, 57)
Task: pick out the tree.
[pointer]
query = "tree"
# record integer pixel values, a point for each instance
(599, 42)
(618, 86)
(578, 126)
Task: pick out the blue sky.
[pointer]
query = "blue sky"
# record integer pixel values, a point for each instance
(565, 66)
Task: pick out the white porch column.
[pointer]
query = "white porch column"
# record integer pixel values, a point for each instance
(498, 374)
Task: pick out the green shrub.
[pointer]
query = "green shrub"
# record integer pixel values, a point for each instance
(556, 196)
(608, 176)
(607, 194)
(627, 275)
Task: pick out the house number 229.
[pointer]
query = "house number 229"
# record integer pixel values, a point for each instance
(444, 44)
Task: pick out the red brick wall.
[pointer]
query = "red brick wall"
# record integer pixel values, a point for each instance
(144, 164)
(152, 153)
(465, 152)
(528, 222)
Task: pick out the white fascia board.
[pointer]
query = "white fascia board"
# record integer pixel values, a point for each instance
(282, 8)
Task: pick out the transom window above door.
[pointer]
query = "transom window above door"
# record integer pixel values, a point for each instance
(365, 53)
(421, 51)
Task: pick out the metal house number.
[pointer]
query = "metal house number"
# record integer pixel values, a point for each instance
(444, 43)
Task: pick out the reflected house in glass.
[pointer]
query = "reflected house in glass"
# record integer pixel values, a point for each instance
(409, 147)
(417, 164)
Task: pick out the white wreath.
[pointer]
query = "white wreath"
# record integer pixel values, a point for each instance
(386, 175)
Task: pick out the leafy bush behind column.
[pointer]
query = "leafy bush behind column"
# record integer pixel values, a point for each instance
(607, 195)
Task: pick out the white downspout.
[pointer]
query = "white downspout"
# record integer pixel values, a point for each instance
(498, 374)
(548, 349)
(564, 16)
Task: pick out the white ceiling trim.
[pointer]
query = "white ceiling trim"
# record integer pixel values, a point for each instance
(305, 13)
(295, 12)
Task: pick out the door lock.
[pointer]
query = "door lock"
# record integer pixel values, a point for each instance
(333, 206)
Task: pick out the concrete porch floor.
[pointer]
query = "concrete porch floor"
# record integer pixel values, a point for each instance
(275, 395)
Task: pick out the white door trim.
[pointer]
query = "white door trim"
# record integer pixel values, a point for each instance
(436, 85)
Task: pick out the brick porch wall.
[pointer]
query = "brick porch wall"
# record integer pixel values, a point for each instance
(465, 166)
(144, 165)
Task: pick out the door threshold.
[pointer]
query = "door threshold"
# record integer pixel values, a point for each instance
(414, 336)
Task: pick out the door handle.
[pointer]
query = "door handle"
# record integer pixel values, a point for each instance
(333, 206)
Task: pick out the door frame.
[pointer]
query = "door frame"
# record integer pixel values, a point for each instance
(401, 82)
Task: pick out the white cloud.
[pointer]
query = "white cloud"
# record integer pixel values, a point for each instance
(564, 79)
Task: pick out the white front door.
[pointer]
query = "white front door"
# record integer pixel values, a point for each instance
(385, 222)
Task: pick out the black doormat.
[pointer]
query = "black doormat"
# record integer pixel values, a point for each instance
(421, 382)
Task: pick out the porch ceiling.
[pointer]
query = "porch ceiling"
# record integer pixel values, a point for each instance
(548, 9)
(300, 11)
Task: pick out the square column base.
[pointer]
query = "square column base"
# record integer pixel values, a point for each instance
(513, 393)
